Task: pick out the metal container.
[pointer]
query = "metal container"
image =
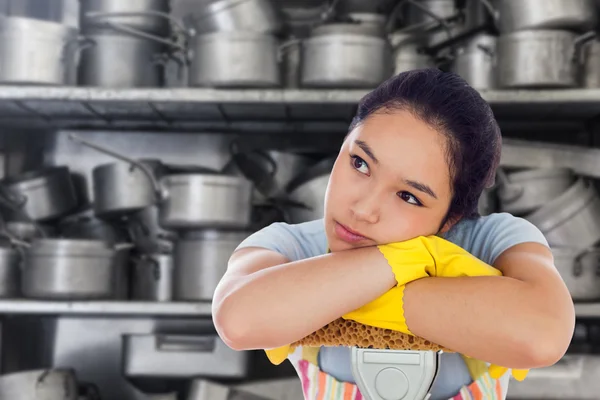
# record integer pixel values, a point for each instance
(182, 356)
(120, 61)
(27, 231)
(260, 16)
(580, 270)
(344, 60)
(50, 384)
(291, 52)
(521, 15)
(519, 55)
(33, 51)
(201, 261)
(525, 191)
(591, 67)
(153, 278)
(10, 268)
(406, 52)
(85, 225)
(143, 15)
(234, 60)
(372, 23)
(41, 195)
(194, 201)
(120, 188)
(475, 62)
(147, 234)
(571, 219)
(69, 269)
(425, 10)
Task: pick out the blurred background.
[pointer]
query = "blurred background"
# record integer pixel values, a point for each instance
(142, 140)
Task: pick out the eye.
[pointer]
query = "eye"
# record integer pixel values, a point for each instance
(409, 198)
(359, 164)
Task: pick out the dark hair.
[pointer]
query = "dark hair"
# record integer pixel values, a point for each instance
(447, 103)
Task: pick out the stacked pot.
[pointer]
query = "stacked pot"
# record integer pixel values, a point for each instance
(127, 43)
(234, 44)
(542, 42)
(566, 208)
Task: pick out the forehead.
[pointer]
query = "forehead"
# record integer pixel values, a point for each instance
(406, 148)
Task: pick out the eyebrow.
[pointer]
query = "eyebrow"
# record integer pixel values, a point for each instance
(416, 185)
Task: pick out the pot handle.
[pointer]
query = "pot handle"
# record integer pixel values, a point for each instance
(283, 47)
(579, 43)
(155, 185)
(92, 15)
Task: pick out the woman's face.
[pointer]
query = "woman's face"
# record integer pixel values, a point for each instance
(390, 183)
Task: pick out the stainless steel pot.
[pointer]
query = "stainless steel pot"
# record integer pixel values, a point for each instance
(147, 234)
(571, 219)
(143, 15)
(10, 268)
(121, 61)
(343, 60)
(260, 16)
(69, 269)
(40, 195)
(591, 67)
(153, 278)
(428, 11)
(33, 51)
(51, 384)
(580, 271)
(406, 52)
(519, 56)
(475, 61)
(195, 201)
(372, 23)
(201, 261)
(85, 225)
(525, 191)
(234, 60)
(521, 15)
(27, 231)
(120, 188)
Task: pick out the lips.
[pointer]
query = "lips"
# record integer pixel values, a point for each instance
(348, 235)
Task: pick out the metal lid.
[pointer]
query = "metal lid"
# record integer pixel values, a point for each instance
(539, 173)
(545, 34)
(34, 178)
(206, 178)
(71, 247)
(215, 235)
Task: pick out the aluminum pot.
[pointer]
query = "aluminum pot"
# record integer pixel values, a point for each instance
(475, 61)
(521, 15)
(234, 60)
(33, 51)
(406, 52)
(120, 188)
(519, 55)
(143, 15)
(193, 201)
(580, 270)
(10, 268)
(121, 61)
(201, 261)
(525, 191)
(153, 277)
(343, 60)
(591, 66)
(147, 234)
(40, 195)
(69, 269)
(571, 219)
(51, 384)
(260, 16)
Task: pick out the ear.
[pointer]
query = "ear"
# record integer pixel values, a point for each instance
(449, 224)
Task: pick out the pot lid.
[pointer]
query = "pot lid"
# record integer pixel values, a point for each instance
(34, 178)
(71, 247)
(344, 28)
(216, 235)
(202, 178)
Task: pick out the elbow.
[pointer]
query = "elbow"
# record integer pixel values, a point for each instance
(231, 327)
(548, 346)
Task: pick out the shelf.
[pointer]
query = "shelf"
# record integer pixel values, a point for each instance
(234, 110)
(106, 308)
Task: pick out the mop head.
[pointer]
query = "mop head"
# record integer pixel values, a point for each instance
(348, 333)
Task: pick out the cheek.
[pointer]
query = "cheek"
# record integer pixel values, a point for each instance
(406, 224)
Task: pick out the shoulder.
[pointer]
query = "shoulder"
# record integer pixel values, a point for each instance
(489, 236)
(294, 241)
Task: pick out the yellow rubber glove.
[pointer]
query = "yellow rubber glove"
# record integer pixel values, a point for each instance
(279, 354)
(414, 259)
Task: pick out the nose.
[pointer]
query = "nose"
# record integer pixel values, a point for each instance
(367, 208)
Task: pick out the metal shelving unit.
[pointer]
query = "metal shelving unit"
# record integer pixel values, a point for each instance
(193, 108)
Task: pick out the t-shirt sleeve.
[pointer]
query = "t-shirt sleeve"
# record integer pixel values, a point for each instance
(280, 237)
(494, 234)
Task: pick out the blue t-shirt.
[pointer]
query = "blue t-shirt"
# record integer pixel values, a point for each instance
(485, 237)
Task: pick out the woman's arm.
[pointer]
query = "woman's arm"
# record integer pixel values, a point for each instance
(264, 301)
(524, 319)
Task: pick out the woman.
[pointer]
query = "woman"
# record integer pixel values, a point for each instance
(419, 152)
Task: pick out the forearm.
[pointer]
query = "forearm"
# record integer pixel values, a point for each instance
(501, 320)
(290, 301)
